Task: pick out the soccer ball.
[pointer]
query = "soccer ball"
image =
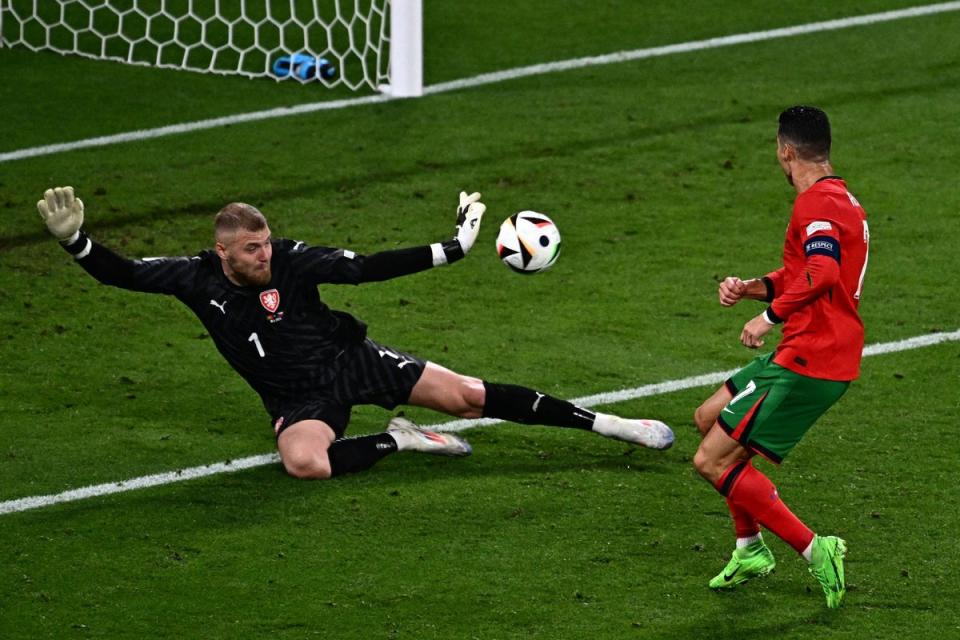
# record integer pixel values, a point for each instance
(529, 242)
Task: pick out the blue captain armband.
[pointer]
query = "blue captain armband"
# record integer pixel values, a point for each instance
(822, 246)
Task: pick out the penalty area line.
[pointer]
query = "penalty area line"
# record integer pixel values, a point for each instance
(489, 78)
(143, 482)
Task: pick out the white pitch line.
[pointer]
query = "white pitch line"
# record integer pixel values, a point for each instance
(23, 504)
(697, 45)
(489, 78)
(612, 397)
(35, 502)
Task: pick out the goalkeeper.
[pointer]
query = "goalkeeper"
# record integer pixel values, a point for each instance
(257, 298)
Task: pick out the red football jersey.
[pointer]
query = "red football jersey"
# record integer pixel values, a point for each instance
(817, 290)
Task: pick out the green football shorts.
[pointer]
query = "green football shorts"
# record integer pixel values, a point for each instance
(773, 407)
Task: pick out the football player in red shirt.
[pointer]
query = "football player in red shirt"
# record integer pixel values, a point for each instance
(767, 406)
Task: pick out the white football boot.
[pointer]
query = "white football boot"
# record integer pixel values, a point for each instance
(652, 434)
(410, 437)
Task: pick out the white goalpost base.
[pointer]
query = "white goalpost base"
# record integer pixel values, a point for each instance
(406, 49)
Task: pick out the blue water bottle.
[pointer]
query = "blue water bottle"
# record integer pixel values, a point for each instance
(305, 67)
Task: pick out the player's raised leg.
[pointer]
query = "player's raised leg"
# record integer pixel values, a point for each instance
(444, 390)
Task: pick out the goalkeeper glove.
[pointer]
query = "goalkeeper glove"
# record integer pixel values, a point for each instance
(469, 213)
(62, 212)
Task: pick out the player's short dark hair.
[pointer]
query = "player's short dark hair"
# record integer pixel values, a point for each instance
(236, 216)
(807, 129)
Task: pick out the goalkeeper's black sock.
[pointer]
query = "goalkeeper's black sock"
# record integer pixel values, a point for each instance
(526, 406)
(349, 455)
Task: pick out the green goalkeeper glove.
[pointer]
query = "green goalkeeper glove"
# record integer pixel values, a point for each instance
(62, 212)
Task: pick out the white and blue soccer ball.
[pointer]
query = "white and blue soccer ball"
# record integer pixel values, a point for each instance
(528, 242)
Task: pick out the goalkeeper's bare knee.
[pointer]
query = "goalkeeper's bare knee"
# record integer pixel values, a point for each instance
(307, 465)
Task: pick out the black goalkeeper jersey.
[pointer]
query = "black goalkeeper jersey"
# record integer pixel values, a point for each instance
(280, 337)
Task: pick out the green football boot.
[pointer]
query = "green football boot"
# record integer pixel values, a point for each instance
(752, 561)
(827, 567)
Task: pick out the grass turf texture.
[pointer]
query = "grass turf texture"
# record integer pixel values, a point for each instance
(660, 175)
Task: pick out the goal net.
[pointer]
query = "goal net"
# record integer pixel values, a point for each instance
(359, 44)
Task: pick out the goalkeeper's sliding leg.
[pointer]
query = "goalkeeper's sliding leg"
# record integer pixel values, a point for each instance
(444, 390)
(312, 448)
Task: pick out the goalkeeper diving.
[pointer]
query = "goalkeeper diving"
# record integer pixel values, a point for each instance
(257, 297)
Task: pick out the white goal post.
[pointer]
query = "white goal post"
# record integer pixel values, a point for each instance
(375, 44)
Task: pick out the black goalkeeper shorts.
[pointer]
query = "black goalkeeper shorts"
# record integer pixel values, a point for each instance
(369, 373)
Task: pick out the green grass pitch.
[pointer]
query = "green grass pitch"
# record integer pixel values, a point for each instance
(661, 176)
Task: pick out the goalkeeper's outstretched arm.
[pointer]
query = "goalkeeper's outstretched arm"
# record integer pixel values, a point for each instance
(391, 264)
(63, 214)
(346, 267)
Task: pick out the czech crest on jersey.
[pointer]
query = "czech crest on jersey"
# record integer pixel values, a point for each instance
(270, 299)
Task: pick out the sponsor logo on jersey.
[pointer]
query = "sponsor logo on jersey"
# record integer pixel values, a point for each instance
(401, 361)
(220, 305)
(818, 225)
(270, 299)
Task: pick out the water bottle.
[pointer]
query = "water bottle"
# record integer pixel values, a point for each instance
(305, 67)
